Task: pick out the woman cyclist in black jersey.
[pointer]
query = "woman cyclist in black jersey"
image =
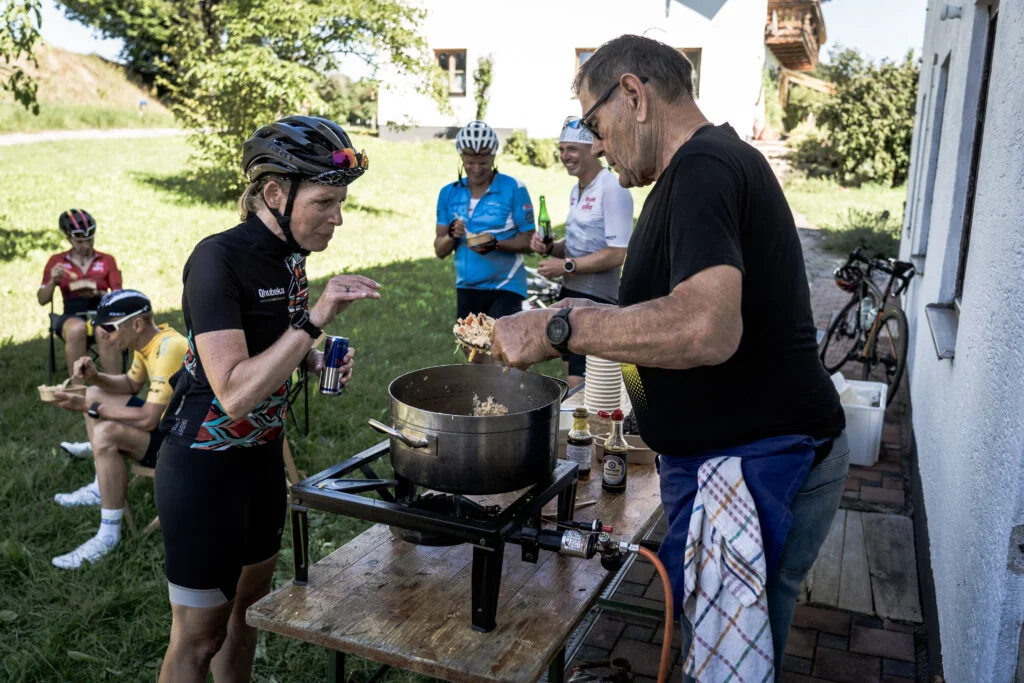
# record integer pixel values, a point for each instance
(220, 488)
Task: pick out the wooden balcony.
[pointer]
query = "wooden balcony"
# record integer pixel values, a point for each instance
(795, 32)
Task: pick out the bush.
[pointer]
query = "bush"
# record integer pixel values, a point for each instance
(542, 152)
(813, 154)
(803, 103)
(347, 101)
(871, 118)
(877, 232)
(772, 106)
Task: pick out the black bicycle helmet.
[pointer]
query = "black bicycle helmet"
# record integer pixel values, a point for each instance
(78, 224)
(302, 148)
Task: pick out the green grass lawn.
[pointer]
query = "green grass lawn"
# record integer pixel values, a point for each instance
(110, 622)
(16, 119)
(849, 216)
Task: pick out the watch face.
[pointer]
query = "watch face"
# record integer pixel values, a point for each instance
(558, 330)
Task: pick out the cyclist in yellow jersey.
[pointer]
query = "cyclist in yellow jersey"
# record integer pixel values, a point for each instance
(120, 423)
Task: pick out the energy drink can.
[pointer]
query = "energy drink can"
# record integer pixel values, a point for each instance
(335, 349)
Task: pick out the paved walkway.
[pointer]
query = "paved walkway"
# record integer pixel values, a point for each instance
(859, 618)
(88, 134)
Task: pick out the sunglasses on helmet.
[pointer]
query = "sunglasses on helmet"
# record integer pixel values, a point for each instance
(348, 158)
(111, 327)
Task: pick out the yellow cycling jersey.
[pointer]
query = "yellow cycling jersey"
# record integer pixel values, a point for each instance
(157, 361)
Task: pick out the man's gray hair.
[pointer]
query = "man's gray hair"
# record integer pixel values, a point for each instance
(666, 68)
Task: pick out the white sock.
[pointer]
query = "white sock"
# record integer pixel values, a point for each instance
(110, 526)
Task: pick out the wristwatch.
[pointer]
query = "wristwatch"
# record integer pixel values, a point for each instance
(94, 410)
(569, 266)
(559, 330)
(301, 321)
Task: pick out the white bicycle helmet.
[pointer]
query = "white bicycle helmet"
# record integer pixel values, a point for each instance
(477, 136)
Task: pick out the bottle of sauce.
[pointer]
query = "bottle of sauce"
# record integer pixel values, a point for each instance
(580, 445)
(615, 456)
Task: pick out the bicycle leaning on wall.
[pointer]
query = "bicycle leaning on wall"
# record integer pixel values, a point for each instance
(867, 330)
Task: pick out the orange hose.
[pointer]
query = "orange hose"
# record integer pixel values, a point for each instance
(666, 642)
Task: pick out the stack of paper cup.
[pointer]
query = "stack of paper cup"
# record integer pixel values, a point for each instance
(603, 390)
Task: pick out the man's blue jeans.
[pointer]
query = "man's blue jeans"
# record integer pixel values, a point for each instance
(813, 509)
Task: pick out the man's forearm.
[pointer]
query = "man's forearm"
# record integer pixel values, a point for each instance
(657, 334)
(520, 244)
(132, 417)
(114, 384)
(600, 261)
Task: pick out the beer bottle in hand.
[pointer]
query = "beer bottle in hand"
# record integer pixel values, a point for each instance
(544, 223)
(580, 445)
(616, 455)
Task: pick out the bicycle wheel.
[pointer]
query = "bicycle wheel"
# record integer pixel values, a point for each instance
(887, 351)
(843, 337)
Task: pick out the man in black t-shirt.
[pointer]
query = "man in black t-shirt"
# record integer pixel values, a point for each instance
(714, 327)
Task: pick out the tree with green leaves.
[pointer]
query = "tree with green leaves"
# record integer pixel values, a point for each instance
(228, 66)
(20, 21)
(483, 77)
(869, 122)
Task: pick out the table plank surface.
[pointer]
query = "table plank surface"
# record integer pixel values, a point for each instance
(409, 606)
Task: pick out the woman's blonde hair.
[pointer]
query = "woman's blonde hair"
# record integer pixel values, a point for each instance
(252, 198)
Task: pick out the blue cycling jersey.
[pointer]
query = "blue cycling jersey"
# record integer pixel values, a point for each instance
(504, 210)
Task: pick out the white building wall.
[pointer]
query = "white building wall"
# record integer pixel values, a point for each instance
(533, 43)
(968, 412)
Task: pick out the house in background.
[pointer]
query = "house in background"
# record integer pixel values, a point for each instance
(538, 45)
(964, 231)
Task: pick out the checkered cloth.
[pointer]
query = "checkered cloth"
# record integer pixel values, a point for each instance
(725, 577)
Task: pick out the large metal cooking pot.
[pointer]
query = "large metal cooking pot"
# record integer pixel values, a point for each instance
(436, 441)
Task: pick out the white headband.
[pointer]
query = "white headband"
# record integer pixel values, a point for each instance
(573, 131)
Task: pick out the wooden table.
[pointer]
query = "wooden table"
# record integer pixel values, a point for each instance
(408, 606)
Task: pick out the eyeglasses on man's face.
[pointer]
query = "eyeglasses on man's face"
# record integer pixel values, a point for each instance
(111, 327)
(584, 120)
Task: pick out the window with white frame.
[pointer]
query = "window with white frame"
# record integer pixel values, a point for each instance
(453, 64)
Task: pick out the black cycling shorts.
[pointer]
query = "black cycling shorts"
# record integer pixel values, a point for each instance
(75, 308)
(578, 362)
(496, 303)
(219, 511)
(156, 437)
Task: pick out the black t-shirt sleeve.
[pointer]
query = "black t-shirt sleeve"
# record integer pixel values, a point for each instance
(704, 217)
(212, 290)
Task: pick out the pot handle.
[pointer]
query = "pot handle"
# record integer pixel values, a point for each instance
(564, 386)
(394, 433)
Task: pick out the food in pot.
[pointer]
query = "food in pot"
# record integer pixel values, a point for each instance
(487, 408)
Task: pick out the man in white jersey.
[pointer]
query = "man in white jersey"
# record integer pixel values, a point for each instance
(597, 231)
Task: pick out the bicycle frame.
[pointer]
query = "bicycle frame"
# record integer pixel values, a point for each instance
(866, 284)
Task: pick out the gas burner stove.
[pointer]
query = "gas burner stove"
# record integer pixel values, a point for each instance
(442, 519)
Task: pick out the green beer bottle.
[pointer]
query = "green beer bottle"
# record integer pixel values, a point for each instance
(544, 223)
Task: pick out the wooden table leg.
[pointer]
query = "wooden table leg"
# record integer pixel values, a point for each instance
(335, 666)
(556, 671)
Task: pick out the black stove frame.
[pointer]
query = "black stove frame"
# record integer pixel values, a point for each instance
(333, 491)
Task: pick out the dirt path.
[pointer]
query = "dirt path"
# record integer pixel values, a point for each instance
(8, 139)
(817, 261)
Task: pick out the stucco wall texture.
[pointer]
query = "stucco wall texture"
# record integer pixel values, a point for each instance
(968, 412)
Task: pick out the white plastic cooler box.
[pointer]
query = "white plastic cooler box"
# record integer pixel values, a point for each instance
(864, 422)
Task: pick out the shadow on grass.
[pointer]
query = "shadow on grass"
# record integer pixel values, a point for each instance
(187, 190)
(118, 608)
(877, 232)
(14, 244)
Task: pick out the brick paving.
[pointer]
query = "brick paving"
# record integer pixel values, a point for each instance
(825, 645)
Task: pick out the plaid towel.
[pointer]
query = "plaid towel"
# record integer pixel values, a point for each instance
(725, 579)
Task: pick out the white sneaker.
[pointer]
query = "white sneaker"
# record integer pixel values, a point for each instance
(77, 449)
(87, 495)
(90, 551)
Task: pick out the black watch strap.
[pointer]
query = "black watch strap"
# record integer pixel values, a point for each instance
(301, 321)
(559, 331)
(94, 410)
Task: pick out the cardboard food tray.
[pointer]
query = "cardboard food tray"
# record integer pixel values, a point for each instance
(46, 392)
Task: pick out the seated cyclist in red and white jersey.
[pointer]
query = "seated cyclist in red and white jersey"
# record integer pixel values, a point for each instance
(83, 275)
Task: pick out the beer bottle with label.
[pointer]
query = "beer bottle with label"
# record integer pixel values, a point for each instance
(544, 223)
(616, 455)
(580, 446)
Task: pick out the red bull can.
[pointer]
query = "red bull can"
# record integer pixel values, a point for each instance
(335, 349)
